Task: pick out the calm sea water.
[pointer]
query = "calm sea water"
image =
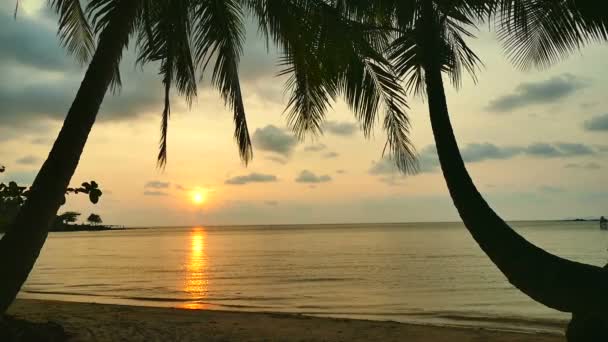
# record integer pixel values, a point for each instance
(430, 273)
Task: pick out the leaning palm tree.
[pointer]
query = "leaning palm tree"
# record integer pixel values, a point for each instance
(187, 36)
(428, 42)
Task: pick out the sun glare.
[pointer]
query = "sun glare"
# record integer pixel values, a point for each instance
(198, 197)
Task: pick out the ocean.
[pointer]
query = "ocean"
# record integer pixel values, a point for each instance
(427, 273)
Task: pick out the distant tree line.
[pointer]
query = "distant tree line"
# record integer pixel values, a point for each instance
(12, 197)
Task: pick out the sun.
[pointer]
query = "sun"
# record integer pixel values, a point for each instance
(198, 197)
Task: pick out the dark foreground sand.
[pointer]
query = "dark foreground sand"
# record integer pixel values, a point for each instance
(101, 322)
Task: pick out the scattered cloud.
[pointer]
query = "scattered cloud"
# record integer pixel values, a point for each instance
(155, 193)
(181, 187)
(588, 166)
(251, 178)
(546, 150)
(157, 185)
(277, 160)
(486, 151)
(597, 123)
(32, 53)
(340, 172)
(587, 105)
(331, 155)
(274, 139)
(307, 176)
(41, 141)
(315, 148)
(271, 203)
(27, 160)
(383, 167)
(479, 152)
(531, 93)
(427, 159)
(341, 128)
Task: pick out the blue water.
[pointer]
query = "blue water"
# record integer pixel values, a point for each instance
(430, 273)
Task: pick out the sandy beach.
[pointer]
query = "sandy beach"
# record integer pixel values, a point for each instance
(102, 322)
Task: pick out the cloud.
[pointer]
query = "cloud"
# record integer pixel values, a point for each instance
(531, 93)
(181, 187)
(383, 167)
(427, 159)
(546, 150)
(155, 193)
(277, 160)
(486, 151)
(309, 177)
(341, 172)
(341, 128)
(597, 123)
(479, 152)
(41, 141)
(274, 139)
(271, 203)
(157, 185)
(587, 166)
(33, 55)
(331, 155)
(315, 148)
(27, 160)
(251, 178)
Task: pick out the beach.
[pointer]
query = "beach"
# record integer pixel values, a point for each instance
(103, 322)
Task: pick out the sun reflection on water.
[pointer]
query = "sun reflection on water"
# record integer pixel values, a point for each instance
(196, 282)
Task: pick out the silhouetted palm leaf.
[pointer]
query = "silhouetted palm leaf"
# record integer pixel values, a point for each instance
(539, 33)
(326, 53)
(219, 35)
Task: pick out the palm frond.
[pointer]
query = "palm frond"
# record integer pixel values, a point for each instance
(219, 35)
(539, 33)
(164, 35)
(74, 30)
(330, 54)
(459, 56)
(100, 13)
(405, 55)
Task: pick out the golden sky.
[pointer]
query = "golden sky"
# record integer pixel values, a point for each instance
(534, 141)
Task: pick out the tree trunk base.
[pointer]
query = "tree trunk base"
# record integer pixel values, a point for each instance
(587, 328)
(18, 330)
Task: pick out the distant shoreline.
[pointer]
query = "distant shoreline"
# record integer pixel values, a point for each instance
(86, 228)
(338, 224)
(580, 220)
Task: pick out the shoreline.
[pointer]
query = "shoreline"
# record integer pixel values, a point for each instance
(110, 322)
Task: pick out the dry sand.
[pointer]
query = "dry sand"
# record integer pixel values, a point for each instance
(102, 322)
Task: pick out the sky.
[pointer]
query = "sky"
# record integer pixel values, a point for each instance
(534, 141)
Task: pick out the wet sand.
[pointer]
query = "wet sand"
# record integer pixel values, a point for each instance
(103, 322)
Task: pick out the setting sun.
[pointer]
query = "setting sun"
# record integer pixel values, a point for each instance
(198, 197)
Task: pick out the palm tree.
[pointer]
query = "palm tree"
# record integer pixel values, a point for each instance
(192, 34)
(429, 42)
(94, 219)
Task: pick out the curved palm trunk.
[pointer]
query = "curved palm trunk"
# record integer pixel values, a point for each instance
(21, 245)
(555, 282)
